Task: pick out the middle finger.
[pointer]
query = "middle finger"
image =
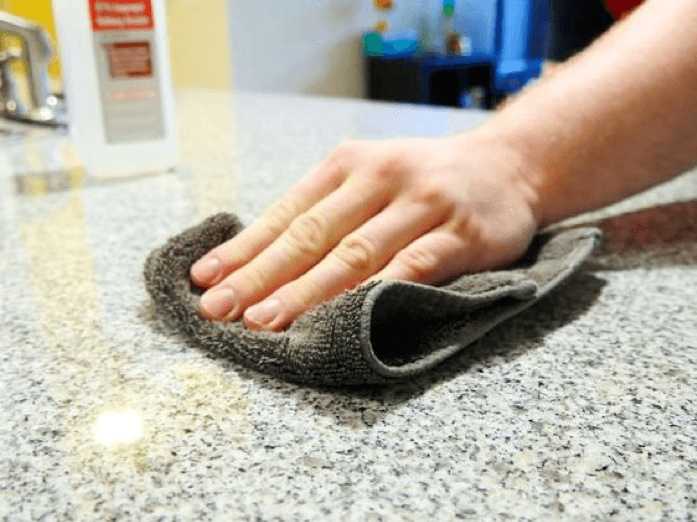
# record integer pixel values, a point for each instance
(306, 241)
(355, 258)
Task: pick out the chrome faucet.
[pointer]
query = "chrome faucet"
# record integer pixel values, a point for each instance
(44, 106)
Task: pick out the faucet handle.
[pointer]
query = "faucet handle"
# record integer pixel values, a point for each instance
(13, 53)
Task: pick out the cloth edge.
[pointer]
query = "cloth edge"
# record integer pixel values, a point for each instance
(587, 241)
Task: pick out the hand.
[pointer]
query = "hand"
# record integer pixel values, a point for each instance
(422, 210)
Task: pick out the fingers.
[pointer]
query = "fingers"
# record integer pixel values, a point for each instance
(358, 256)
(419, 211)
(306, 240)
(228, 257)
(431, 259)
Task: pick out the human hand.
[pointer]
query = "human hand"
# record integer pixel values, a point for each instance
(422, 210)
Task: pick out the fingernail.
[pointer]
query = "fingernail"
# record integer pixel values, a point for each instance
(218, 303)
(263, 313)
(206, 269)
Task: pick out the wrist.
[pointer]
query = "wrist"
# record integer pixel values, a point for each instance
(524, 169)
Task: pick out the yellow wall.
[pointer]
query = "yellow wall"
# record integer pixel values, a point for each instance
(199, 45)
(198, 36)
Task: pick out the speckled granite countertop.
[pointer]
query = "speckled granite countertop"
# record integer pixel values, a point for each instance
(582, 408)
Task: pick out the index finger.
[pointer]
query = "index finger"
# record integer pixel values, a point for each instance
(224, 259)
(305, 243)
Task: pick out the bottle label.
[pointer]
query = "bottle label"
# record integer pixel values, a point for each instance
(126, 51)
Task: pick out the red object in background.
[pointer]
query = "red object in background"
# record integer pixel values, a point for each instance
(121, 15)
(619, 8)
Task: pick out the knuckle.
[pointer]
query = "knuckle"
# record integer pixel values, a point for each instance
(341, 156)
(433, 195)
(358, 253)
(418, 263)
(302, 294)
(340, 163)
(460, 223)
(390, 169)
(252, 280)
(464, 225)
(346, 148)
(280, 214)
(308, 235)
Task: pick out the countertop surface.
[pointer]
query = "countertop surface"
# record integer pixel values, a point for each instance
(581, 408)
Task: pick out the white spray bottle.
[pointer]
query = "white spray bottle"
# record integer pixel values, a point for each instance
(118, 84)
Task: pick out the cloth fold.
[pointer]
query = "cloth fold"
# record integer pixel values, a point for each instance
(374, 334)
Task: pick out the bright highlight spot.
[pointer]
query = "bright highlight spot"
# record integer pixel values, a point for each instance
(118, 427)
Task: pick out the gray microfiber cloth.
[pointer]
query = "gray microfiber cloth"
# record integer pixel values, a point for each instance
(376, 333)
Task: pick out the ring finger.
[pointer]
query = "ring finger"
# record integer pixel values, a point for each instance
(355, 258)
(306, 241)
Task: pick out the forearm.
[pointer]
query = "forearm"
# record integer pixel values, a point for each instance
(616, 119)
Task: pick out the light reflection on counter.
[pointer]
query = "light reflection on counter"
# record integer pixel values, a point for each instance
(122, 427)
